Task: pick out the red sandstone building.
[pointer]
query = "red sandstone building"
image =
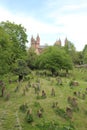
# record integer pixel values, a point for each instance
(35, 44)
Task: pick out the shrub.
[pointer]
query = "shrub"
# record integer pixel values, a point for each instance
(55, 126)
(29, 118)
(36, 104)
(23, 107)
(61, 113)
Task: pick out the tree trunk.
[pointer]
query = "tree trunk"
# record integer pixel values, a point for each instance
(20, 77)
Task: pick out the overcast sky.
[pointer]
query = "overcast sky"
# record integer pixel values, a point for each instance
(51, 19)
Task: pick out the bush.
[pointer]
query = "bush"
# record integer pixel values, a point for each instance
(29, 118)
(55, 126)
(37, 104)
(23, 107)
(61, 113)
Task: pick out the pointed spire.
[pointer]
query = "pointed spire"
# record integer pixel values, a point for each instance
(66, 41)
(38, 38)
(58, 42)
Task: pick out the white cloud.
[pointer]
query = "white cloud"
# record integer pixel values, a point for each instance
(32, 25)
(73, 26)
(74, 7)
(73, 18)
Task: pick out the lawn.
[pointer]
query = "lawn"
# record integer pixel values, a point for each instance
(12, 117)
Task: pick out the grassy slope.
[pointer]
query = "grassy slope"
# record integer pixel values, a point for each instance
(11, 118)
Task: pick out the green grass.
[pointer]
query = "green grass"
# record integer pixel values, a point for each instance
(12, 118)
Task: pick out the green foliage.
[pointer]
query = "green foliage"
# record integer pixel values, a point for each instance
(13, 40)
(48, 126)
(61, 113)
(85, 54)
(70, 49)
(18, 39)
(69, 46)
(21, 68)
(71, 83)
(31, 58)
(40, 97)
(78, 58)
(4, 52)
(54, 125)
(52, 120)
(29, 118)
(85, 112)
(16, 32)
(23, 107)
(37, 104)
(54, 59)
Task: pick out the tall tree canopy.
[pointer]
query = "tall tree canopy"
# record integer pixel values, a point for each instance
(54, 59)
(78, 60)
(4, 51)
(13, 39)
(18, 37)
(31, 57)
(85, 54)
(71, 50)
(21, 69)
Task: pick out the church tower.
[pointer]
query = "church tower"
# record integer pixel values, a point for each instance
(66, 42)
(58, 42)
(37, 41)
(32, 42)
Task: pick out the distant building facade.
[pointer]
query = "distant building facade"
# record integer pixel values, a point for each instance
(57, 43)
(35, 44)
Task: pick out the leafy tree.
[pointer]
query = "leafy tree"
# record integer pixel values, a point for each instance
(31, 58)
(13, 40)
(69, 45)
(78, 60)
(54, 59)
(18, 38)
(70, 49)
(4, 52)
(85, 54)
(21, 69)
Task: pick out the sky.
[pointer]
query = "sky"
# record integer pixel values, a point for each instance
(51, 19)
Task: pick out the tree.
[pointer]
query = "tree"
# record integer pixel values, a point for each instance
(70, 49)
(85, 54)
(4, 52)
(31, 58)
(69, 46)
(21, 69)
(78, 60)
(13, 40)
(54, 59)
(18, 39)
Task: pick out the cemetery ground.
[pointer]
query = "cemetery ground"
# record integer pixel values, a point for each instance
(45, 102)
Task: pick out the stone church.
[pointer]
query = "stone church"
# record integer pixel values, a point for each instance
(35, 44)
